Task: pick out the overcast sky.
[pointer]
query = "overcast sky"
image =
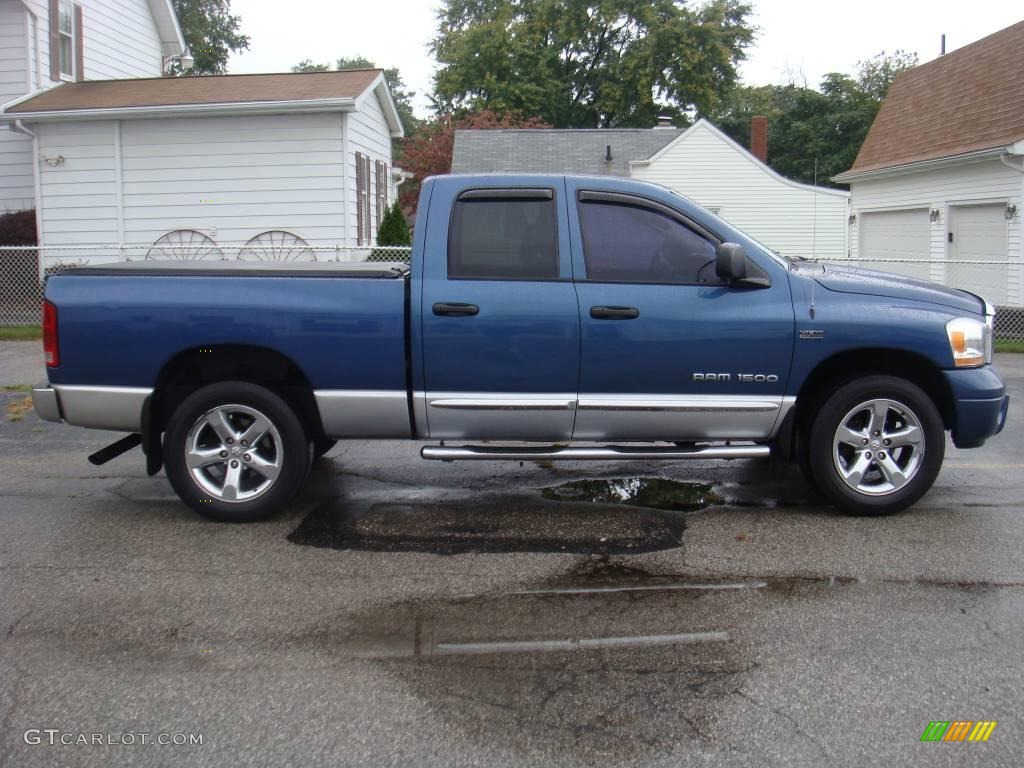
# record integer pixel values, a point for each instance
(796, 41)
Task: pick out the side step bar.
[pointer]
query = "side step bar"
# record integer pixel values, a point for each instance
(604, 453)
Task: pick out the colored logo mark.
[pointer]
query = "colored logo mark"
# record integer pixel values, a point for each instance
(958, 730)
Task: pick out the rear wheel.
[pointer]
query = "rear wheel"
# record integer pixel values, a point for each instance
(235, 452)
(876, 445)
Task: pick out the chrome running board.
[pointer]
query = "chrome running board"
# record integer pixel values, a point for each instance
(603, 453)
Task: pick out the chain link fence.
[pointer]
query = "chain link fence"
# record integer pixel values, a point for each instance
(23, 269)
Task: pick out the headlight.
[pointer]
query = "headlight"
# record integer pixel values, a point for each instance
(970, 341)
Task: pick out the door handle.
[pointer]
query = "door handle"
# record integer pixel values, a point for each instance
(456, 309)
(614, 313)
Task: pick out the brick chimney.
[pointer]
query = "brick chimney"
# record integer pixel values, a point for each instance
(759, 137)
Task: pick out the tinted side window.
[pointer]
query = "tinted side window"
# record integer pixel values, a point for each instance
(495, 238)
(633, 244)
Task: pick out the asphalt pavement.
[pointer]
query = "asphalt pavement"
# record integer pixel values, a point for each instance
(488, 614)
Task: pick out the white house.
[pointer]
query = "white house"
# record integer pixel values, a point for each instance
(191, 167)
(711, 169)
(44, 43)
(938, 185)
(700, 162)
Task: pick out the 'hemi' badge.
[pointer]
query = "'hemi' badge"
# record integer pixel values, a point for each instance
(812, 334)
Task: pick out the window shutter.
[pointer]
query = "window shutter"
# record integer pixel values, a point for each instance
(55, 40)
(366, 199)
(359, 198)
(79, 46)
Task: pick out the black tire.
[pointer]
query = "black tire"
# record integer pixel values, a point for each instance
(322, 445)
(877, 493)
(286, 445)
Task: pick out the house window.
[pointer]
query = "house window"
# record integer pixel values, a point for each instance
(382, 189)
(66, 39)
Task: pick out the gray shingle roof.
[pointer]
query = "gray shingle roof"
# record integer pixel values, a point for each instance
(545, 150)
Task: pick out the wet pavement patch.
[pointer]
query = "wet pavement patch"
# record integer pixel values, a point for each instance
(490, 523)
(608, 673)
(652, 492)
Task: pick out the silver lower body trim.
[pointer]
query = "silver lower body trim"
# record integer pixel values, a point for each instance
(677, 417)
(379, 413)
(44, 400)
(604, 453)
(114, 408)
(497, 415)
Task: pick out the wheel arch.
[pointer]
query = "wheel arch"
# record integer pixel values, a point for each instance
(852, 364)
(195, 367)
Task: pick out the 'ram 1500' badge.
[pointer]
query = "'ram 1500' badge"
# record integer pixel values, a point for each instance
(754, 378)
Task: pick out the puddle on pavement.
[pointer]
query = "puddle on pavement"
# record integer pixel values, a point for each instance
(652, 492)
(490, 523)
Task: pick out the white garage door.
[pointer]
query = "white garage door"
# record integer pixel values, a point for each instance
(979, 234)
(899, 235)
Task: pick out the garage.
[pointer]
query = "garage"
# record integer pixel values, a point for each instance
(978, 234)
(901, 235)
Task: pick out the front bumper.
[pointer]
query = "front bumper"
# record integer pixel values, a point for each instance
(46, 403)
(980, 405)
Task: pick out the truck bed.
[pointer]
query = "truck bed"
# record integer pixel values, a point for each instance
(343, 325)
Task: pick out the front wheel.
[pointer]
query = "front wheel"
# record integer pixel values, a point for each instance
(876, 445)
(235, 452)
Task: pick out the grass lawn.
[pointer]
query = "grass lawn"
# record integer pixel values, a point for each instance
(20, 332)
(1005, 345)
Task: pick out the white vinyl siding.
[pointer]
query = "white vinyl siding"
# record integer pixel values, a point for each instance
(943, 190)
(121, 40)
(369, 135)
(233, 177)
(78, 192)
(16, 184)
(792, 218)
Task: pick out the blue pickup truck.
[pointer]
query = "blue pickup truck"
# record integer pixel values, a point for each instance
(563, 317)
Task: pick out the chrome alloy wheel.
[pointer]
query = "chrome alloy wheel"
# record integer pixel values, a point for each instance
(234, 453)
(878, 447)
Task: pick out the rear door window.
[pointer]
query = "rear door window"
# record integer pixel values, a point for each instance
(503, 234)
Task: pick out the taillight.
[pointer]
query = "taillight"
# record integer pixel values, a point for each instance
(50, 346)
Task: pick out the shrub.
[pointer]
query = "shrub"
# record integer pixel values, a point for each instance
(393, 229)
(18, 228)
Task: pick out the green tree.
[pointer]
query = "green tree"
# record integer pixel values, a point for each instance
(399, 90)
(814, 134)
(393, 228)
(875, 75)
(588, 63)
(211, 34)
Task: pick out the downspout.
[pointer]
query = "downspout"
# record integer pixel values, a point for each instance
(1005, 160)
(19, 127)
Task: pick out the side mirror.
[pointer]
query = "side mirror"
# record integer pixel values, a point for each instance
(731, 262)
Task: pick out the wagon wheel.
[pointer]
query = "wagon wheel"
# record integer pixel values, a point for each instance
(184, 245)
(276, 245)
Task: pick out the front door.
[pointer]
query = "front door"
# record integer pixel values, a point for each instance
(500, 323)
(669, 352)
